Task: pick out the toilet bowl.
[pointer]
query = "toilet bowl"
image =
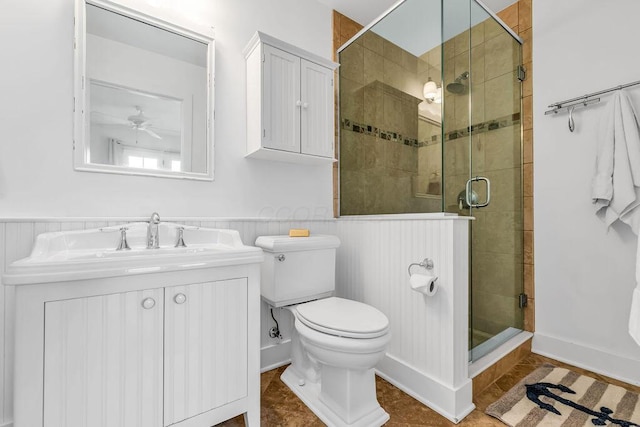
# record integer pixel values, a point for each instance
(335, 343)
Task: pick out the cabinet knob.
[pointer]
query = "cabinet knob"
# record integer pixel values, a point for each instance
(281, 257)
(148, 303)
(305, 105)
(180, 298)
(298, 103)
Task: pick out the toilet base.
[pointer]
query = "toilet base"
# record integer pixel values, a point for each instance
(309, 393)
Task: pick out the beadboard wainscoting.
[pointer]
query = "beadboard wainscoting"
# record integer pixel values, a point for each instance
(427, 356)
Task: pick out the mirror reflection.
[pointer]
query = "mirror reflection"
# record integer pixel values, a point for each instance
(123, 129)
(146, 95)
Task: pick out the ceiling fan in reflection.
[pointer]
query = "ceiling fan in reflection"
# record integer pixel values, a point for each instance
(137, 121)
(141, 122)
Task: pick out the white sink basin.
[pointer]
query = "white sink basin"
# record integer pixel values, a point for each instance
(77, 255)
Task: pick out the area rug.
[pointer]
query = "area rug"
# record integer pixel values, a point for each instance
(552, 396)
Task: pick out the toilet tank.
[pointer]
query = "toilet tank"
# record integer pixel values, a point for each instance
(297, 269)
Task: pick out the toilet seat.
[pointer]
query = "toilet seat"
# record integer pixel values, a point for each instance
(343, 318)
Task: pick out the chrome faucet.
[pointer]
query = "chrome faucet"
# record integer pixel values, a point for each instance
(123, 245)
(153, 235)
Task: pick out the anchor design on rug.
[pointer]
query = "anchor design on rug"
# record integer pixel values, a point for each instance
(534, 391)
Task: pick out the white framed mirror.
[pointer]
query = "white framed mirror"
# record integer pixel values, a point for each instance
(143, 94)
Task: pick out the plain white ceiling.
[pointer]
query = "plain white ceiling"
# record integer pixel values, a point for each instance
(365, 11)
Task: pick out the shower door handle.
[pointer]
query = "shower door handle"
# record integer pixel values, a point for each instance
(469, 192)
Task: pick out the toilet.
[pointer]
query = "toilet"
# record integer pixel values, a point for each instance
(335, 342)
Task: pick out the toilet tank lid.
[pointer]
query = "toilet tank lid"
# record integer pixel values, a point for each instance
(286, 243)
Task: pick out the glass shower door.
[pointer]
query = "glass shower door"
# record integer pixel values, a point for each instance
(496, 177)
(483, 167)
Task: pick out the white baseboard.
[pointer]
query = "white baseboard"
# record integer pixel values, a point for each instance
(274, 356)
(453, 404)
(596, 360)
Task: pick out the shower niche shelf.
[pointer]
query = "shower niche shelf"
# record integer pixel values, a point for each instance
(290, 104)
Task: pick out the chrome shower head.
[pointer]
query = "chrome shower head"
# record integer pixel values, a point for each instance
(457, 87)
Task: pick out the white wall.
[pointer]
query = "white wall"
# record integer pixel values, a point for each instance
(584, 275)
(36, 164)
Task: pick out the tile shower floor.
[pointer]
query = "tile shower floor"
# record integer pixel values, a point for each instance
(280, 407)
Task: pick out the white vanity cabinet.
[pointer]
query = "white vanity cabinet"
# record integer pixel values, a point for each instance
(108, 358)
(290, 103)
(143, 338)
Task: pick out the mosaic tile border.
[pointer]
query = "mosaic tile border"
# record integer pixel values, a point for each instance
(494, 124)
(379, 133)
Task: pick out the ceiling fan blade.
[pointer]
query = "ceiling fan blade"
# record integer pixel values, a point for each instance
(101, 118)
(152, 133)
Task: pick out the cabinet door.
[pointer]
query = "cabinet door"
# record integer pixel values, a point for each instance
(281, 100)
(205, 347)
(103, 361)
(317, 126)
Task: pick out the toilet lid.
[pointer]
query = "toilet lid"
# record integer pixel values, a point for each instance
(342, 317)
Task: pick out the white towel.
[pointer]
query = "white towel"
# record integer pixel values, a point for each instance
(616, 184)
(634, 318)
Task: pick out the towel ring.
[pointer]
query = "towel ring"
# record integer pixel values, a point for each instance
(572, 123)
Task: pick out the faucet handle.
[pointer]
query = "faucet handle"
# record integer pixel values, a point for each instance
(155, 218)
(180, 241)
(123, 240)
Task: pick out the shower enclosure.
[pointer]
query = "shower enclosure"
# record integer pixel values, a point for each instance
(430, 103)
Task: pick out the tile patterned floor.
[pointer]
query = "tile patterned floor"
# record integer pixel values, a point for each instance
(280, 407)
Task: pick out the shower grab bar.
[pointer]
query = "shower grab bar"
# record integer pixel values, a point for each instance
(469, 192)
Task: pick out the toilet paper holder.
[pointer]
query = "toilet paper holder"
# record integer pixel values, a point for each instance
(426, 263)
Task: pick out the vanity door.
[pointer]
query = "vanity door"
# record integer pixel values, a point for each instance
(205, 347)
(103, 360)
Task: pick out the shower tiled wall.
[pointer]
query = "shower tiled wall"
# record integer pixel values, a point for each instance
(343, 29)
(380, 91)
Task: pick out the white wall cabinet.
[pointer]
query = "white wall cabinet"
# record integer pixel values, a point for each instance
(128, 351)
(290, 103)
